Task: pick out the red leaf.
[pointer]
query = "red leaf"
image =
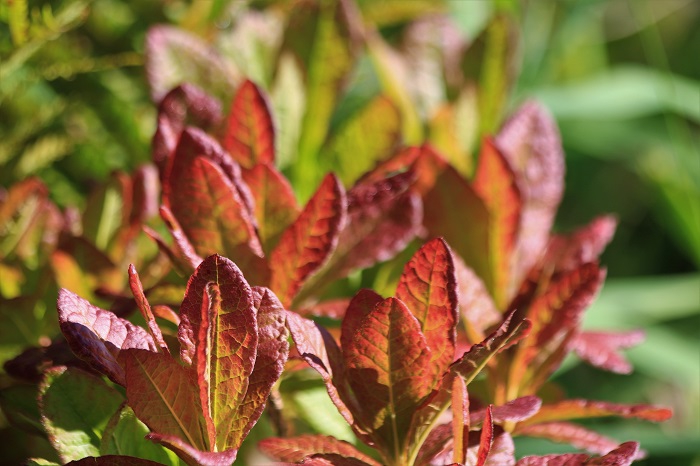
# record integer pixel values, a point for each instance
(320, 351)
(389, 370)
(583, 245)
(98, 336)
(454, 211)
(309, 241)
(194, 456)
(275, 205)
(183, 106)
(272, 352)
(572, 434)
(333, 308)
(495, 184)
(361, 305)
(601, 349)
(476, 306)
(146, 194)
(624, 455)
(424, 161)
(383, 217)
(583, 409)
(219, 337)
(530, 142)
(163, 395)
(514, 411)
(486, 440)
(145, 308)
(509, 333)
(249, 133)
(182, 254)
(460, 420)
(299, 448)
(209, 207)
(428, 288)
(113, 460)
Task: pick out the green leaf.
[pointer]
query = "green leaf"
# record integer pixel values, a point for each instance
(75, 409)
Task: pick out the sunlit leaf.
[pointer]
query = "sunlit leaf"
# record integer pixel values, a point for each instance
(602, 349)
(583, 409)
(296, 449)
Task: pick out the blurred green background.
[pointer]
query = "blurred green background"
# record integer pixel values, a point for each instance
(622, 78)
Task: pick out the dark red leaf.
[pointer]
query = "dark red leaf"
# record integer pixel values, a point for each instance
(275, 205)
(193, 456)
(496, 185)
(297, 449)
(146, 194)
(145, 308)
(530, 142)
(113, 460)
(486, 439)
(98, 336)
(601, 349)
(624, 455)
(309, 241)
(249, 134)
(428, 287)
(182, 254)
(164, 395)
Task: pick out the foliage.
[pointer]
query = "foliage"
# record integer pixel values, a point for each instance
(255, 103)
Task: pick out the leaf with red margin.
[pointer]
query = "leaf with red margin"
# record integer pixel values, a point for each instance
(423, 160)
(163, 394)
(218, 334)
(97, 336)
(567, 252)
(623, 455)
(583, 409)
(182, 254)
(175, 56)
(460, 420)
(601, 349)
(453, 210)
(275, 205)
(212, 213)
(383, 217)
(572, 434)
(309, 241)
(360, 306)
(389, 369)
(297, 449)
(516, 410)
(320, 351)
(113, 460)
(476, 307)
(474, 360)
(486, 439)
(249, 134)
(495, 184)
(530, 142)
(194, 456)
(145, 308)
(183, 106)
(428, 287)
(272, 352)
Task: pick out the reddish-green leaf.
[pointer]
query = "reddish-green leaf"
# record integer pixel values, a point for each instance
(219, 337)
(361, 305)
(249, 134)
(98, 336)
(460, 420)
(113, 460)
(194, 456)
(145, 308)
(209, 207)
(601, 349)
(623, 455)
(486, 439)
(307, 243)
(428, 287)
(390, 371)
(454, 211)
(182, 254)
(163, 394)
(509, 332)
(297, 449)
(516, 410)
(530, 142)
(272, 351)
(496, 186)
(582, 409)
(75, 408)
(572, 434)
(182, 106)
(567, 252)
(275, 205)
